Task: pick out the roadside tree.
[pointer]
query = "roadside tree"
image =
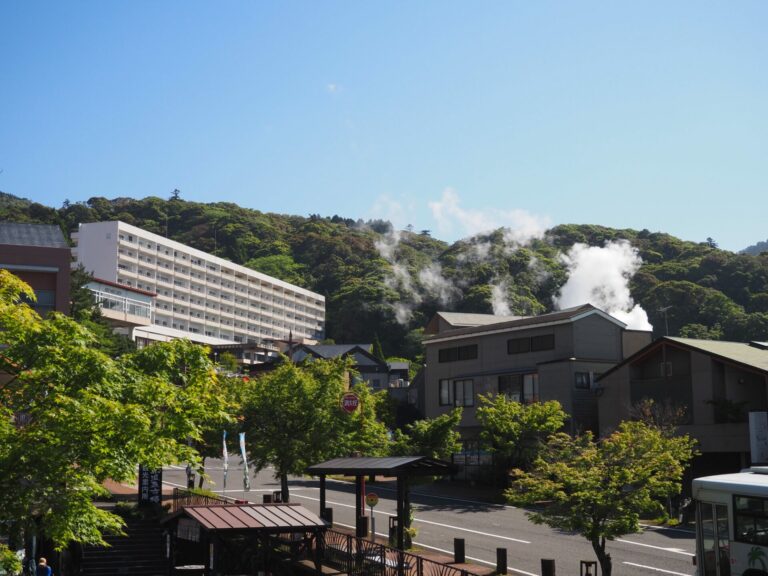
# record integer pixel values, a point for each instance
(515, 431)
(71, 417)
(599, 489)
(293, 418)
(433, 437)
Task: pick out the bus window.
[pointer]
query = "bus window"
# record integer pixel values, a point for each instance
(751, 520)
(713, 539)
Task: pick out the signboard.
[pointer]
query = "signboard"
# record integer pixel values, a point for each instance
(150, 485)
(371, 499)
(350, 402)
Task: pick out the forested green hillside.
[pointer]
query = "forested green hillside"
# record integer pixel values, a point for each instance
(384, 283)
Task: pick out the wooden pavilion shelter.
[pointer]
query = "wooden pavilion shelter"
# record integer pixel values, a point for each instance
(226, 539)
(400, 467)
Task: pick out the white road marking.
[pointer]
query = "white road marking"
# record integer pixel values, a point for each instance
(669, 528)
(656, 569)
(425, 495)
(674, 550)
(480, 560)
(428, 522)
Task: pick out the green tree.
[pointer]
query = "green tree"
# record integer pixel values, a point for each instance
(293, 418)
(376, 349)
(71, 417)
(434, 437)
(599, 489)
(516, 431)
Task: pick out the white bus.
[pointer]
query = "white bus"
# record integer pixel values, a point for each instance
(732, 523)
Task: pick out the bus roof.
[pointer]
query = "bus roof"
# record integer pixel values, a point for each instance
(749, 482)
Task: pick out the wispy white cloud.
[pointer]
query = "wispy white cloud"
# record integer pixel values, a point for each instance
(395, 210)
(520, 225)
(333, 88)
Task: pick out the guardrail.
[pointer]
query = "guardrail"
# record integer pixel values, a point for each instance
(349, 554)
(182, 497)
(358, 556)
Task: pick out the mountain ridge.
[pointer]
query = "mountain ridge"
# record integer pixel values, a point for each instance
(385, 284)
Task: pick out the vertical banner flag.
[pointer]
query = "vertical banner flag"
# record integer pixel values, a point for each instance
(246, 480)
(226, 459)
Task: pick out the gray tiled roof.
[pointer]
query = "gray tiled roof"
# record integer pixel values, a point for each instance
(462, 319)
(550, 318)
(335, 350)
(44, 235)
(752, 355)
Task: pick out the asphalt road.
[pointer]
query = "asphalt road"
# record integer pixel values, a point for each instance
(484, 526)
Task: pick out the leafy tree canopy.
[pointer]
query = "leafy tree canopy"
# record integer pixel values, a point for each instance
(71, 417)
(599, 489)
(293, 418)
(434, 437)
(516, 431)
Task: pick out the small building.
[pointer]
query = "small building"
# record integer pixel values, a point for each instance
(122, 306)
(242, 538)
(555, 356)
(40, 256)
(708, 387)
(370, 369)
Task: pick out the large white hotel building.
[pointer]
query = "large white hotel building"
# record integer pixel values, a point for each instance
(197, 295)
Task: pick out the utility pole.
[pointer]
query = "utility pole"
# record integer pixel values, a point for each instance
(666, 323)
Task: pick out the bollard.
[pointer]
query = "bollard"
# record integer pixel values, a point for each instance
(547, 567)
(501, 560)
(459, 556)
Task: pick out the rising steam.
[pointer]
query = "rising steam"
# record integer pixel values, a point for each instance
(600, 276)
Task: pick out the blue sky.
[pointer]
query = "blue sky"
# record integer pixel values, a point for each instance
(449, 116)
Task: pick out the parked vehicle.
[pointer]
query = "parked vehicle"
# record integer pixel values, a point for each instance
(732, 523)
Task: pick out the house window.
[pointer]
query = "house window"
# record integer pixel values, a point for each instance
(446, 393)
(464, 392)
(543, 342)
(518, 345)
(582, 381)
(531, 344)
(522, 388)
(457, 353)
(585, 380)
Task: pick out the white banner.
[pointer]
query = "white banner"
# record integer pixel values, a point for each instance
(246, 479)
(226, 457)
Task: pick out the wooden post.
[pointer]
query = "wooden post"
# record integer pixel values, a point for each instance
(547, 567)
(459, 556)
(501, 560)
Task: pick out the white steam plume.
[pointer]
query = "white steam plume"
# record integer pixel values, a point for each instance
(499, 299)
(600, 276)
(431, 282)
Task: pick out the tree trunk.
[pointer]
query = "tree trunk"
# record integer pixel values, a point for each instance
(284, 486)
(598, 545)
(201, 472)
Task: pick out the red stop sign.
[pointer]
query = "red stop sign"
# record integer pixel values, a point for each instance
(350, 402)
